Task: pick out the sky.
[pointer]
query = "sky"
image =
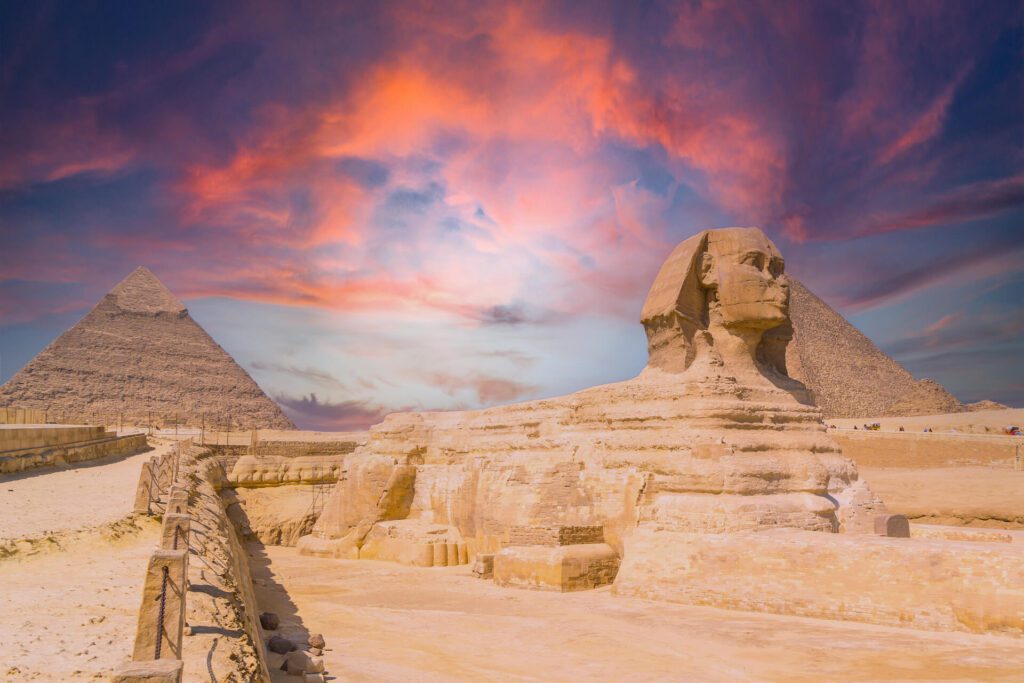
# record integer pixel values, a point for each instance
(436, 205)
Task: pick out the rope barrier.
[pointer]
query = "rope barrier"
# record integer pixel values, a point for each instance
(160, 613)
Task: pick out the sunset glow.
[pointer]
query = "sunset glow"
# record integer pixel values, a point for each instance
(386, 206)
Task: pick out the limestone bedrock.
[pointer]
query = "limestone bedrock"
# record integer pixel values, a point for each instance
(713, 436)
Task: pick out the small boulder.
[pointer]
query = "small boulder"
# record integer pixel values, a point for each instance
(280, 645)
(269, 621)
(300, 662)
(315, 651)
(313, 678)
(483, 567)
(317, 640)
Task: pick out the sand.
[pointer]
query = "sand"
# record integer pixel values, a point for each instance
(70, 590)
(71, 615)
(384, 621)
(978, 422)
(50, 500)
(968, 496)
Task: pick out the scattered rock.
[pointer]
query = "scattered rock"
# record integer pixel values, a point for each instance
(280, 645)
(270, 621)
(300, 662)
(483, 567)
(315, 651)
(317, 640)
(313, 678)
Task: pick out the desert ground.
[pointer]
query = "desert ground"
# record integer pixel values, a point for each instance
(961, 496)
(74, 523)
(975, 422)
(385, 621)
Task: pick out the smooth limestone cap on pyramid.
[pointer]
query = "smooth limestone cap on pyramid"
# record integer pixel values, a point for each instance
(136, 352)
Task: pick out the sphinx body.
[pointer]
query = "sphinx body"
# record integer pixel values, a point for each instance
(711, 437)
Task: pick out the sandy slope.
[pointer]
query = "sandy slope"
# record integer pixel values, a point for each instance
(71, 615)
(69, 594)
(51, 500)
(387, 622)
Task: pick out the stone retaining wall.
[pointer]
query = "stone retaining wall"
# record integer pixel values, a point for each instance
(910, 449)
(208, 586)
(68, 453)
(938, 585)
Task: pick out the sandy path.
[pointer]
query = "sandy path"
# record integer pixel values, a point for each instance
(48, 500)
(384, 621)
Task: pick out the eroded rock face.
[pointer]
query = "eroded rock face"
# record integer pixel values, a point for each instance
(713, 436)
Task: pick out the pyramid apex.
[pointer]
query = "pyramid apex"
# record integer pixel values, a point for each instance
(142, 292)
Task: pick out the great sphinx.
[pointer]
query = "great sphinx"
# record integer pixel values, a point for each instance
(711, 437)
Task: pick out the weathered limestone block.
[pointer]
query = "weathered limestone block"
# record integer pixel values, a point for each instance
(165, 576)
(177, 500)
(483, 566)
(858, 509)
(157, 671)
(174, 532)
(894, 526)
(559, 568)
(146, 490)
(917, 583)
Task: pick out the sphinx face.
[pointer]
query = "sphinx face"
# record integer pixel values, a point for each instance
(746, 270)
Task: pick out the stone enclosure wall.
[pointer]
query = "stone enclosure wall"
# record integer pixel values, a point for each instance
(916, 449)
(30, 447)
(918, 583)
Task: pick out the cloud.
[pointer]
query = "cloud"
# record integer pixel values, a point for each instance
(944, 322)
(968, 203)
(309, 412)
(517, 358)
(498, 167)
(313, 375)
(489, 390)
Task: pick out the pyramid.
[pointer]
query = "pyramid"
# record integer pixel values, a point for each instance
(138, 353)
(849, 375)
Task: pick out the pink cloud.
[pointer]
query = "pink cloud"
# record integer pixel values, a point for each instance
(926, 126)
(943, 322)
(489, 390)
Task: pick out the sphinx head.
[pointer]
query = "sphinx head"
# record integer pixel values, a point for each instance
(742, 273)
(730, 279)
